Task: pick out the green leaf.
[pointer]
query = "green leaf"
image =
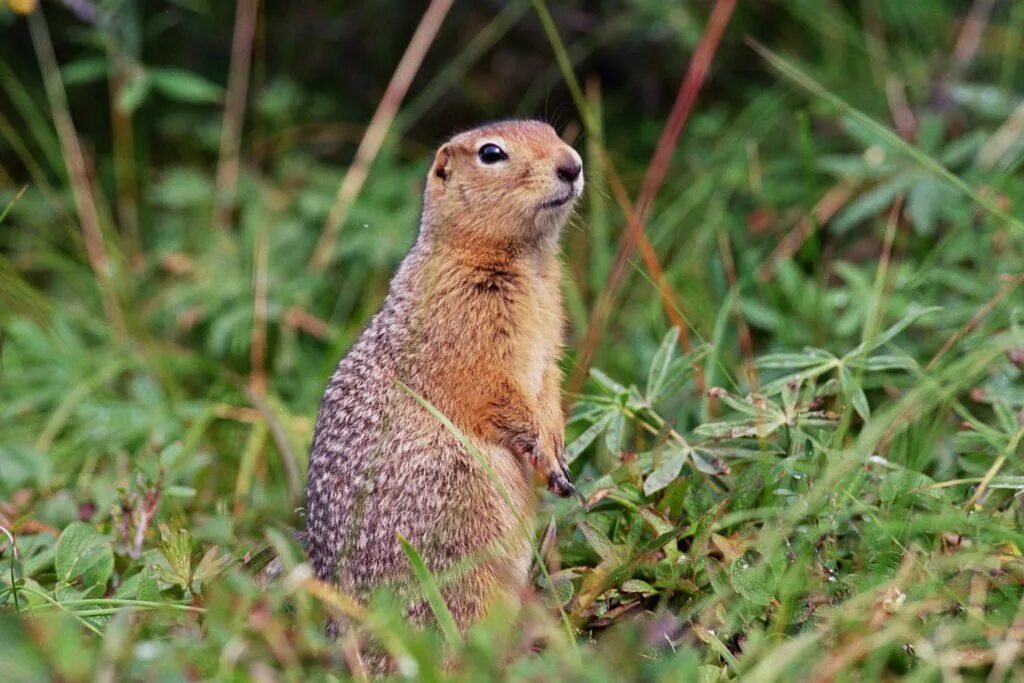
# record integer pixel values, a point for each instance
(749, 486)
(884, 563)
(960, 151)
(589, 411)
(680, 370)
(149, 589)
(37, 553)
(660, 364)
(808, 358)
(902, 483)
(638, 586)
(663, 528)
(581, 442)
(923, 203)
(713, 466)
(797, 378)
(180, 491)
(83, 71)
(432, 593)
(853, 390)
(607, 382)
(140, 586)
(987, 100)
(599, 542)
(133, 92)
(749, 577)
(708, 673)
(212, 564)
(885, 362)
(84, 556)
(698, 501)
(560, 589)
(185, 86)
(1010, 482)
(666, 472)
(737, 429)
(906, 321)
(752, 405)
(930, 131)
(169, 455)
(176, 548)
(871, 203)
(613, 437)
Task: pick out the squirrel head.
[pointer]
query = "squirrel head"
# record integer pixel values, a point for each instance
(505, 183)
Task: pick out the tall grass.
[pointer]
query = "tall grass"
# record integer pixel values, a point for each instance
(797, 333)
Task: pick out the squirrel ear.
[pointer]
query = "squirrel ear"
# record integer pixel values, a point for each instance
(441, 163)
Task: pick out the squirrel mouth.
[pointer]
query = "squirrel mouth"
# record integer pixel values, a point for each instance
(560, 201)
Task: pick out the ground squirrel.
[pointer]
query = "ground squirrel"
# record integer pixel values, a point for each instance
(473, 324)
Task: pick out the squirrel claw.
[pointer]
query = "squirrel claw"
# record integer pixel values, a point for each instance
(560, 484)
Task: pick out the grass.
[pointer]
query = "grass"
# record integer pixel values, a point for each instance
(797, 344)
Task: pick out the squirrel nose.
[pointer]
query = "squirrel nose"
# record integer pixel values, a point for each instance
(569, 171)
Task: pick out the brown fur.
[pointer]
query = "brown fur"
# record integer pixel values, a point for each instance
(473, 324)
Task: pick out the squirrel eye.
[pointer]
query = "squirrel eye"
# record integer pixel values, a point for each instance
(491, 154)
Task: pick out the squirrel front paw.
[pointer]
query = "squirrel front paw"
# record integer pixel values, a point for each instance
(559, 478)
(560, 483)
(526, 446)
(549, 464)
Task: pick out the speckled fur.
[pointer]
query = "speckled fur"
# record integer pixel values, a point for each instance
(472, 323)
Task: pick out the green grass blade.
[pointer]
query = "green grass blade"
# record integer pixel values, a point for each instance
(432, 594)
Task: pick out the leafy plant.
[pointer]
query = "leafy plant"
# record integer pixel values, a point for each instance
(798, 437)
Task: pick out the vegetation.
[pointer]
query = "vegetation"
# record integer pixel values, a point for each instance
(795, 363)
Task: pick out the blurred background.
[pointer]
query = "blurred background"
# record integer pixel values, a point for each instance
(203, 203)
(145, 90)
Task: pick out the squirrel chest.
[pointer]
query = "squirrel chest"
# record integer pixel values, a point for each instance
(522, 305)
